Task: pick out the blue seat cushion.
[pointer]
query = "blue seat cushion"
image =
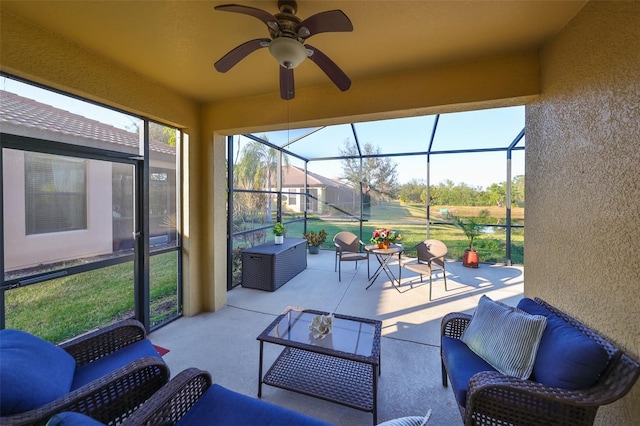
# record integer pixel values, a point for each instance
(107, 364)
(462, 364)
(33, 372)
(567, 358)
(69, 418)
(221, 406)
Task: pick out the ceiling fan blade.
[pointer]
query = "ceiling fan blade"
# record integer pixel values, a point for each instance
(227, 62)
(262, 15)
(330, 68)
(323, 22)
(287, 89)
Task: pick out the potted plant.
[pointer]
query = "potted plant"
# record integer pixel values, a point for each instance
(314, 241)
(278, 231)
(472, 229)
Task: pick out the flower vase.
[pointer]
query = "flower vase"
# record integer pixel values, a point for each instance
(383, 245)
(279, 239)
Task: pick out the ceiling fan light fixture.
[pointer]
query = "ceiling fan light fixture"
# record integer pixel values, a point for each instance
(287, 42)
(288, 52)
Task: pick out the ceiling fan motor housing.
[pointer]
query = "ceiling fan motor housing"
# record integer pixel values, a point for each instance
(286, 46)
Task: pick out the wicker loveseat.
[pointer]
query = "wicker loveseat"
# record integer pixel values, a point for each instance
(105, 374)
(488, 397)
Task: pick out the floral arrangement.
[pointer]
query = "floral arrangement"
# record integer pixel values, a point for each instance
(385, 236)
(314, 239)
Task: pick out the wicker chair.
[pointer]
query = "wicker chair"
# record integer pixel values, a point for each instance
(348, 249)
(113, 396)
(191, 398)
(493, 398)
(431, 255)
(177, 402)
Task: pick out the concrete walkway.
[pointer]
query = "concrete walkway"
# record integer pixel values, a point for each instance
(224, 342)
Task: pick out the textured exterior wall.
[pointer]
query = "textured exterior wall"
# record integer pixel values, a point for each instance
(583, 186)
(490, 83)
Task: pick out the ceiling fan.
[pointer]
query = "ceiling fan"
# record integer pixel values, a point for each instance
(287, 43)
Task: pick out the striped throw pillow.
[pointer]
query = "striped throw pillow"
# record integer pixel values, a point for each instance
(505, 337)
(408, 421)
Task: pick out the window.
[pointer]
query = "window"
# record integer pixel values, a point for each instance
(55, 193)
(72, 165)
(312, 200)
(293, 198)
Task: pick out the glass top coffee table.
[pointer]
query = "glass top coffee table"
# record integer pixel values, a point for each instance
(343, 367)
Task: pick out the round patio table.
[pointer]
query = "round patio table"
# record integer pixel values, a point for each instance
(384, 256)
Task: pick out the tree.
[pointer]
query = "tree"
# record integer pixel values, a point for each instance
(413, 192)
(471, 226)
(517, 191)
(257, 168)
(495, 195)
(448, 194)
(378, 174)
(157, 132)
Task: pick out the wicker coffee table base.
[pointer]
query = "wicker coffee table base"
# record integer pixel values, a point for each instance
(327, 377)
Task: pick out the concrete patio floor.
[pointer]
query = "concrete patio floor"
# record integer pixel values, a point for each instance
(224, 342)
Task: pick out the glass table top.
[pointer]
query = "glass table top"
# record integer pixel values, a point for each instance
(351, 336)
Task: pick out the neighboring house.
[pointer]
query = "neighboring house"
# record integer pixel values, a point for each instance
(62, 207)
(324, 193)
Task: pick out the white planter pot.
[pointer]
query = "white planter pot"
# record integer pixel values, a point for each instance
(279, 239)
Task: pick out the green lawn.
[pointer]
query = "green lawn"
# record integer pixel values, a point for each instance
(410, 221)
(65, 307)
(59, 309)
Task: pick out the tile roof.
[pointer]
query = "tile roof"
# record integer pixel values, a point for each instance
(293, 176)
(30, 114)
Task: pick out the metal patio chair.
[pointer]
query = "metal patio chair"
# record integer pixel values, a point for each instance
(431, 255)
(348, 249)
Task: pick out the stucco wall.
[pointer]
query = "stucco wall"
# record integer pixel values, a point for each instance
(489, 83)
(583, 186)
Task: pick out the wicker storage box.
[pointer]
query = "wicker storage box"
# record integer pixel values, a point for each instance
(269, 266)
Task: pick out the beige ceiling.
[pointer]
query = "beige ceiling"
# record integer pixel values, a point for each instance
(175, 43)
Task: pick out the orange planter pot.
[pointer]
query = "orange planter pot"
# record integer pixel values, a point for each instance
(383, 245)
(470, 258)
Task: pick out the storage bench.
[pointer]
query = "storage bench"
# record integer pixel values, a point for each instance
(269, 266)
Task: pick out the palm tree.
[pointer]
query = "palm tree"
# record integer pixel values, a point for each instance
(471, 228)
(257, 169)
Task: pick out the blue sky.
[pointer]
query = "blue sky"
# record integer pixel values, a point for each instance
(495, 128)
